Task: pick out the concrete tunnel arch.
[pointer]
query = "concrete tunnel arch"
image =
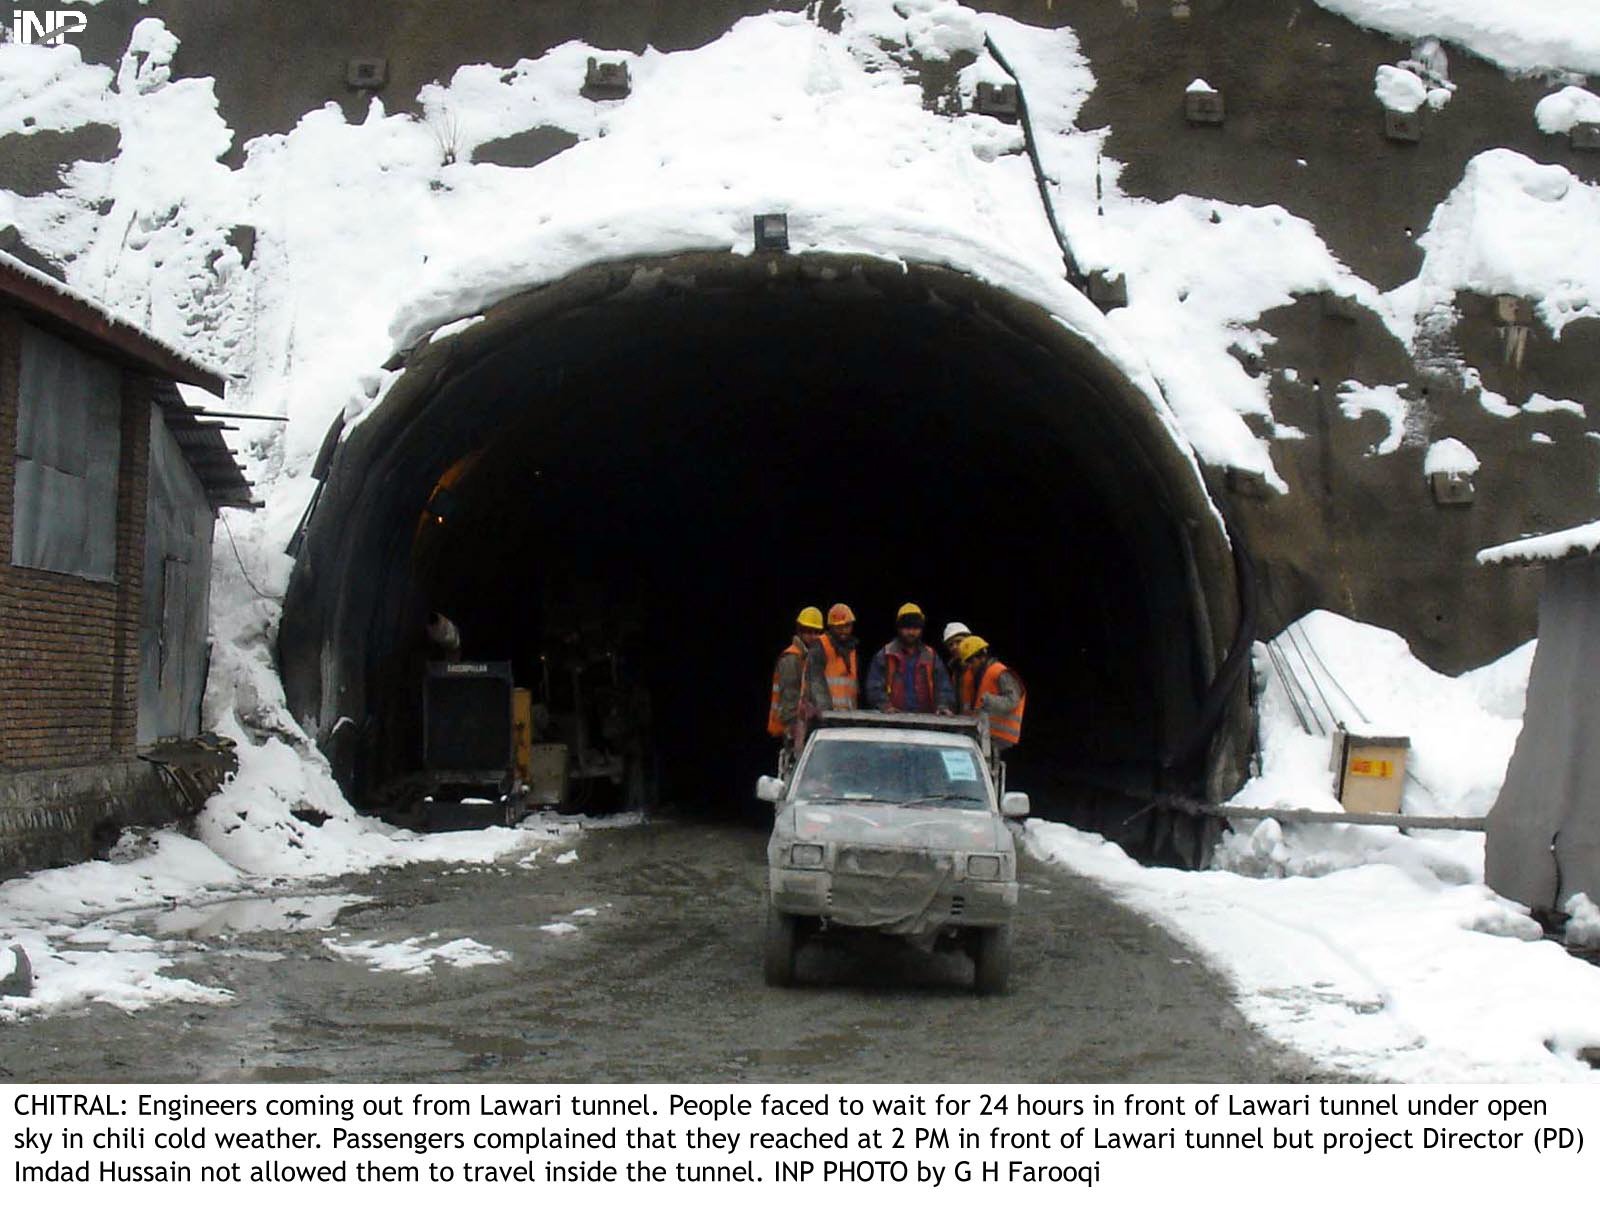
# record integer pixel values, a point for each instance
(711, 440)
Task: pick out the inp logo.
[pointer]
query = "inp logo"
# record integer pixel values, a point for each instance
(46, 29)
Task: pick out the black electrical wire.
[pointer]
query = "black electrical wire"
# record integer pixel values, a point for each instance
(1074, 273)
(250, 582)
(1215, 704)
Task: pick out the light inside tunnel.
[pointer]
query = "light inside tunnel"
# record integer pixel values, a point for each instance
(664, 463)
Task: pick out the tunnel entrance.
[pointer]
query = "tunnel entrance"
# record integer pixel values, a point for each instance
(665, 460)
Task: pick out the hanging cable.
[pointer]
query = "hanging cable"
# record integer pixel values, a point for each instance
(1031, 144)
(250, 582)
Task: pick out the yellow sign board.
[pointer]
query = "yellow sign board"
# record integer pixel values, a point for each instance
(1372, 768)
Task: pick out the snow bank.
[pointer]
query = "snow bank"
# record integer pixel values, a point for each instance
(54, 915)
(1518, 35)
(1511, 226)
(1366, 678)
(1373, 971)
(1376, 952)
(1552, 546)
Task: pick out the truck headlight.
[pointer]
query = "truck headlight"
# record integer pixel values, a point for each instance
(805, 856)
(983, 866)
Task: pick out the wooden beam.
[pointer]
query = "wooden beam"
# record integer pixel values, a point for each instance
(1394, 819)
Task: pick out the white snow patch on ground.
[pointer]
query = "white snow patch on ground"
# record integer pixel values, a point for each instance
(1449, 455)
(1552, 546)
(414, 957)
(571, 856)
(57, 917)
(1560, 111)
(1356, 399)
(1517, 35)
(1375, 971)
(559, 928)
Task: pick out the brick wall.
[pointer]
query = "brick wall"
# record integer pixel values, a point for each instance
(69, 647)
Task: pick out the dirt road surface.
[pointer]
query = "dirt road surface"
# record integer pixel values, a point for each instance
(661, 983)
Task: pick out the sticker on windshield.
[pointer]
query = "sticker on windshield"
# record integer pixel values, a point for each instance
(959, 765)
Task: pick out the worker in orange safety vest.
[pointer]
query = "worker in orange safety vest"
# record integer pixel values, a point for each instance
(989, 686)
(839, 656)
(906, 675)
(799, 692)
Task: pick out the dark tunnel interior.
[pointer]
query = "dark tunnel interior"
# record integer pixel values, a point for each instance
(669, 478)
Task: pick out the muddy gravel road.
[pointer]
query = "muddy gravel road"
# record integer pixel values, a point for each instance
(658, 978)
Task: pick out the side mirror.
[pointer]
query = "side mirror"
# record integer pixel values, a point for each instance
(1014, 804)
(771, 789)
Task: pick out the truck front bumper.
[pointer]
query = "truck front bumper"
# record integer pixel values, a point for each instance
(890, 905)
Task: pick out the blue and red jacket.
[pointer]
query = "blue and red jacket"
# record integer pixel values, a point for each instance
(909, 680)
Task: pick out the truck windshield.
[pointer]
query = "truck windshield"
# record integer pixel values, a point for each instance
(889, 772)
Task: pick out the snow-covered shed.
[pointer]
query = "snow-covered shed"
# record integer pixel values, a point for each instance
(108, 496)
(1544, 830)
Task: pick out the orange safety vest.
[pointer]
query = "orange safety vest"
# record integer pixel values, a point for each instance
(775, 726)
(1004, 728)
(894, 681)
(844, 685)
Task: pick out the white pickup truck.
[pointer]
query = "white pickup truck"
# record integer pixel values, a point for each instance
(893, 823)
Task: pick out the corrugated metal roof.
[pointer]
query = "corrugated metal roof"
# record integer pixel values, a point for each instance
(205, 449)
(71, 313)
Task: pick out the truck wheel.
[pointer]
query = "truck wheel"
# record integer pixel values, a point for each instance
(991, 960)
(777, 963)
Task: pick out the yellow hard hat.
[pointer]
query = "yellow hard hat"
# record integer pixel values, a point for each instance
(909, 609)
(970, 647)
(809, 617)
(840, 613)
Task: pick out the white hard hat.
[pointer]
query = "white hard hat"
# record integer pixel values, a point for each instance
(954, 629)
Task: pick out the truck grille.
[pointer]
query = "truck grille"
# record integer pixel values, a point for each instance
(890, 864)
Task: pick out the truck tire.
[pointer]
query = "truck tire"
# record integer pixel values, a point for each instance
(777, 962)
(991, 960)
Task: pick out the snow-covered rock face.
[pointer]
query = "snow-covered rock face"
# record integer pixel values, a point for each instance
(1511, 226)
